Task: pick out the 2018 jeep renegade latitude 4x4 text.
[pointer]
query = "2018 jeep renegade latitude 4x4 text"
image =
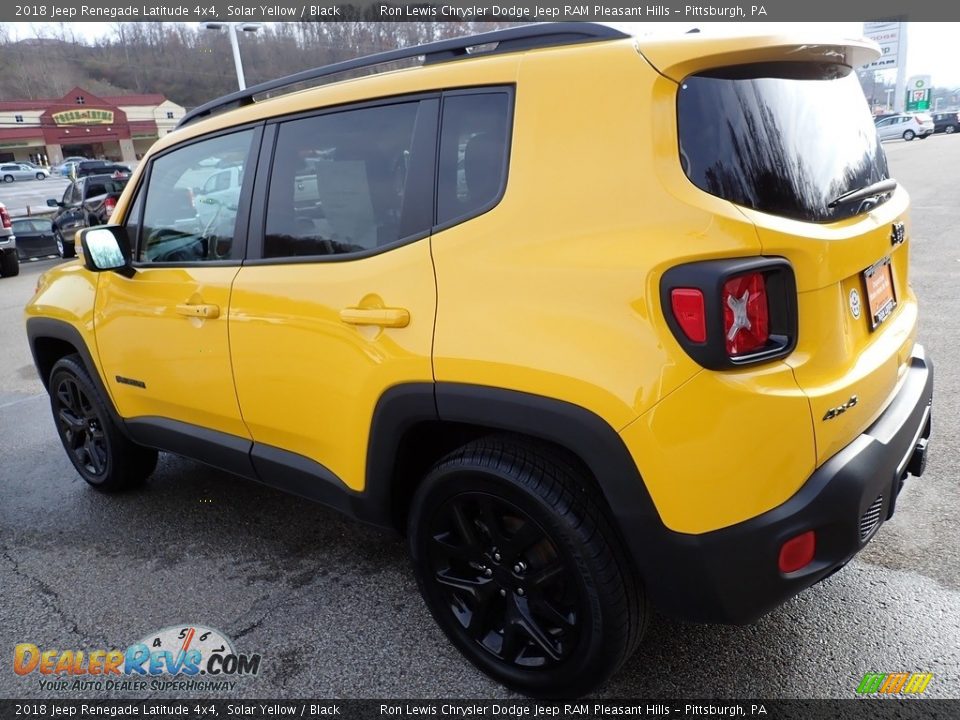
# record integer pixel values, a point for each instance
(601, 325)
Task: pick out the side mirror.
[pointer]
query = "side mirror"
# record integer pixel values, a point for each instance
(105, 248)
(53, 203)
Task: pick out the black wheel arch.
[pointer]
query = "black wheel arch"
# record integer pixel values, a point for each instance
(416, 424)
(52, 339)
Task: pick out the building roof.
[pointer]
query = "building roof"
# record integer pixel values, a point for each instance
(43, 103)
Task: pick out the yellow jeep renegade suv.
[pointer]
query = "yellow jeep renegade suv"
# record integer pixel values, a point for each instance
(602, 325)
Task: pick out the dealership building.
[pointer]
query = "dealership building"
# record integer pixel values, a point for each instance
(119, 128)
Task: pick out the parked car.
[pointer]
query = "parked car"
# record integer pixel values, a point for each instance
(34, 237)
(19, 171)
(581, 390)
(101, 167)
(946, 122)
(87, 201)
(9, 260)
(906, 126)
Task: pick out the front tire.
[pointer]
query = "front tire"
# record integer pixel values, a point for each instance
(100, 452)
(41, 176)
(9, 264)
(522, 569)
(909, 135)
(950, 129)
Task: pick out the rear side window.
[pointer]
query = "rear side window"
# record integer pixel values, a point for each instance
(473, 154)
(339, 182)
(782, 138)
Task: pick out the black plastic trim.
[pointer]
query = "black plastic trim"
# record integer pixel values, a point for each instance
(514, 39)
(41, 327)
(220, 450)
(709, 277)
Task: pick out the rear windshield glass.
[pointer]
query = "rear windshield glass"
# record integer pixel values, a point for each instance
(782, 138)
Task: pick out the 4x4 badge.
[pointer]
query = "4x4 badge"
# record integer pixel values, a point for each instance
(841, 409)
(897, 234)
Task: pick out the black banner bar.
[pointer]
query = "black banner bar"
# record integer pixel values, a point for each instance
(201, 709)
(476, 10)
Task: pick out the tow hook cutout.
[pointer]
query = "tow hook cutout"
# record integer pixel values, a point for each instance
(841, 409)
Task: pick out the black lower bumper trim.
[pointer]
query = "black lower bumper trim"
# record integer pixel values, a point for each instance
(732, 575)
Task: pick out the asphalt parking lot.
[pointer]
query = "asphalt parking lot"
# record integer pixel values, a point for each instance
(332, 606)
(33, 194)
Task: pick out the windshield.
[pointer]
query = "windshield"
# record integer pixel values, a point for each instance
(782, 138)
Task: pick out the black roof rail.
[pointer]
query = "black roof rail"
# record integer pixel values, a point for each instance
(525, 37)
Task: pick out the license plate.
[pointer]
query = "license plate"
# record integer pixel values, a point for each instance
(880, 296)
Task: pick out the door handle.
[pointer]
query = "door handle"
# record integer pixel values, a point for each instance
(206, 312)
(384, 317)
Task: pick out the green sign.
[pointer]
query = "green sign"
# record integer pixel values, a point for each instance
(918, 99)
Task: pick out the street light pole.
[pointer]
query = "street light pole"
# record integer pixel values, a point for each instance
(231, 28)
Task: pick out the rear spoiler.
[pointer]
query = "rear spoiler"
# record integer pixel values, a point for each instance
(678, 57)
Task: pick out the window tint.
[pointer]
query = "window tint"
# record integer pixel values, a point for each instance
(759, 136)
(179, 226)
(338, 182)
(473, 154)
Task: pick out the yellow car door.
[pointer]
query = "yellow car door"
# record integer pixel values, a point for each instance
(162, 332)
(337, 301)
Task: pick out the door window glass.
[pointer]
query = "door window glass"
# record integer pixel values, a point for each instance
(338, 182)
(180, 222)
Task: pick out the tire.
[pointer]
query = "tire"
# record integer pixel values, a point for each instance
(909, 135)
(8, 178)
(9, 264)
(950, 129)
(41, 176)
(100, 452)
(522, 569)
(64, 249)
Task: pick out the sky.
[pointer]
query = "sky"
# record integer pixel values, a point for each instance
(930, 46)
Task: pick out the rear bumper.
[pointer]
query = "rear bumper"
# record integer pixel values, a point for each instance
(732, 575)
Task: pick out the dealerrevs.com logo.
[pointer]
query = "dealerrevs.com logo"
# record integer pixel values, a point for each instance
(178, 658)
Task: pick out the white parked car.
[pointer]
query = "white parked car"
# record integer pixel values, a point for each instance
(905, 126)
(18, 171)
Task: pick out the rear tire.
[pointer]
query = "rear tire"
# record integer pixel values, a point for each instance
(100, 452)
(521, 567)
(909, 135)
(9, 264)
(8, 178)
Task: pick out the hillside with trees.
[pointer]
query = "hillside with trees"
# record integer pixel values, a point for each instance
(188, 64)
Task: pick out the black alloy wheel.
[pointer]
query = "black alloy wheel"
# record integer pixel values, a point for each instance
(81, 428)
(101, 453)
(505, 581)
(520, 565)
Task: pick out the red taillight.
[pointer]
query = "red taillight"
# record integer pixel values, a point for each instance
(690, 314)
(109, 204)
(5, 218)
(746, 316)
(797, 552)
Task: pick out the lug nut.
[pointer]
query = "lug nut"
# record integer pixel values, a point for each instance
(487, 572)
(503, 593)
(520, 592)
(496, 556)
(519, 567)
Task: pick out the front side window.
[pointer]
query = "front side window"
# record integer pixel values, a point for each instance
(473, 154)
(181, 223)
(339, 181)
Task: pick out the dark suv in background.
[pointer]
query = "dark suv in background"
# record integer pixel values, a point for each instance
(87, 201)
(946, 122)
